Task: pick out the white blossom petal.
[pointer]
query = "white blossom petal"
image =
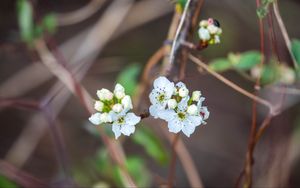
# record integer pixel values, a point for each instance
(95, 119)
(175, 125)
(188, 129)
(132, 119)
(167, 115)
(183, 104)
(127, 129)
(116, 129)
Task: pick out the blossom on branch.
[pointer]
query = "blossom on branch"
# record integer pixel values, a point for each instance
(173, 104)
(113, 108)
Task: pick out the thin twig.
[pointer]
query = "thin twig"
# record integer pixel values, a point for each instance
(172, 168)
(20, 177)
(81, 14)
(179, 28)
(231, 84)
(284, 33)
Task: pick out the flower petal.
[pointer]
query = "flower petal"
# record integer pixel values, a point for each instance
(188, 129)
(155, 110)
(95, 119)
(127, 129)
(175, 125)
(116, 129)
(167, 115)
(183, 104)
(132, 119)
(193, 120)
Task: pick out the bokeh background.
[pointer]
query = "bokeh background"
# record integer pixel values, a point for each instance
(218, 148)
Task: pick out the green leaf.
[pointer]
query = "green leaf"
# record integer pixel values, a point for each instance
(296, 50)
(269, 74)
(248, 60)
(49, 23)
(128, 78)
(136, 168)
(25, 20)
(6, 183)
(220, 65)
(152, 144)
(262, 11)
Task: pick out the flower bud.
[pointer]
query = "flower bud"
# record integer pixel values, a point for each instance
(104, 94)
(203, 23)
(105, 118)
(119, 91)
(126, 102)
(192, 110)
(95, 119)
(117, 108)
(183, 92)
(212, 29)
(98, 106)
(196, 95)
(203, 34)
(172, 103)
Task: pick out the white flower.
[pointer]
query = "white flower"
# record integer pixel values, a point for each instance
(212, 29)
(98, 106)
(159, 96)
(203, 34)
(104, 94)
(183, 92)
(95, 119)
(105, 118)
(125, 124)
(203, 23)
(192, 109)
(172, 103)
(117, 108)
(180, 120)
(127, 103)
(196, 95)
(219, 32)
(119, 91)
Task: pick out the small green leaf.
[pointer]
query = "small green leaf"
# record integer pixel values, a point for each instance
(296, 50)
(248, 60)
(269, 74)
(152, 144)
(6, 183)
(128, 78)
(136, 168)
(49, 23)
(25, 20)
(220, 65)
(262, 11)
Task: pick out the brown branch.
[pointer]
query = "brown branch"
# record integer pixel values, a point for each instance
(232, 85)
(172, 169)
(20, 177)
(66, 77)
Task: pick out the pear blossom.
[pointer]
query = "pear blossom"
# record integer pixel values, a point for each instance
(159, 96)
(209, 32)
(113, 108)
(181, 120)
(175, 106)
(124, 123)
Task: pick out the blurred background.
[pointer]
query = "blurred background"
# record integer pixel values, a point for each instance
(112, 41)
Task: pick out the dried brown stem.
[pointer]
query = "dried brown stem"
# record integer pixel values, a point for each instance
(231, 84)
(172, 168)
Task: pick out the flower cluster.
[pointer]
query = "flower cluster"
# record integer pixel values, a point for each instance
(209, 31)
(113, 108)
(173, 104)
